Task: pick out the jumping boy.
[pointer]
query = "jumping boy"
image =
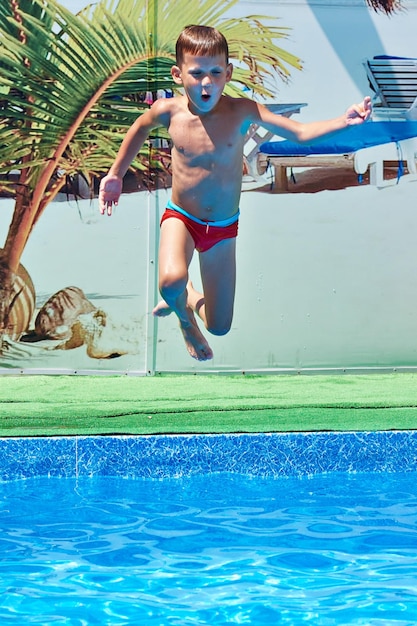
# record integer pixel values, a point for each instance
(207, 130)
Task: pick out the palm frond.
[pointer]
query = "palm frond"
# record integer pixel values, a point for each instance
(75, 81)
(71, 85)
(385, 6)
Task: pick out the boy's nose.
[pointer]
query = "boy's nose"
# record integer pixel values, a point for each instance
(206, 82)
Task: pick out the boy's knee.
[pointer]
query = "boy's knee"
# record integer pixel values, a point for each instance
(172, 283)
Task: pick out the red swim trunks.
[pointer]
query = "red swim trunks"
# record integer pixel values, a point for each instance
(205, 235)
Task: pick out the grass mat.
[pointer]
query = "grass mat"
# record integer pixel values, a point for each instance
(77, 405)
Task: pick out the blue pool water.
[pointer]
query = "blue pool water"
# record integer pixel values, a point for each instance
(219, 549)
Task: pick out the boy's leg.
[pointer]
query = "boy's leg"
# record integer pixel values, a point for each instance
(175, 253)
(218, 275)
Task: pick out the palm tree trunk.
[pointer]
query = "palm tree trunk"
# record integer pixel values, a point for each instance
(25, 215)
(11, 254)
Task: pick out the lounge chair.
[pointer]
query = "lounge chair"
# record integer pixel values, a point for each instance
(257, 135)
(394, 81)
(359, 147)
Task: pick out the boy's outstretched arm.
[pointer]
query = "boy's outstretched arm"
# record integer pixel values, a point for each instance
(308, 131)
(111, 184)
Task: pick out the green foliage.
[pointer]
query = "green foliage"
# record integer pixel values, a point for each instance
(385, 6)
(71, 85)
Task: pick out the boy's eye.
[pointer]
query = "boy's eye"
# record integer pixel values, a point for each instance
(198, 73)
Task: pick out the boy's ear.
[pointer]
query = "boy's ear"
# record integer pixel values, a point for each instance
(229, 72)
(176, 74)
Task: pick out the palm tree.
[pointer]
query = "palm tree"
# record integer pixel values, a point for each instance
(66, 85)
(387, 6)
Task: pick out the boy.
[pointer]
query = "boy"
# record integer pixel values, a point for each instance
(208, 131)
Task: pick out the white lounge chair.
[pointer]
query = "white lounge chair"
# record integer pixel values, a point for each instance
(394, 81)
(257, 135)
(359, 147)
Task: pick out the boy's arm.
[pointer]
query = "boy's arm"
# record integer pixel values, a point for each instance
(306, 132)
(111, 184)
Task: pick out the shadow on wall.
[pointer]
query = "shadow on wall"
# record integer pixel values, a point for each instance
(342, 39)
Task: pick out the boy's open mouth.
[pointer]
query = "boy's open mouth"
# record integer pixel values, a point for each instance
(206, 96)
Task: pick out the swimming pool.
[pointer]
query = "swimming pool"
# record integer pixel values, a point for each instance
(249, 529)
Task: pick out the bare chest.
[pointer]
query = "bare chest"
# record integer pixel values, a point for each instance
(206, 143)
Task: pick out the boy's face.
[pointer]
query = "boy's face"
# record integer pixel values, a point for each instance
(203, 79)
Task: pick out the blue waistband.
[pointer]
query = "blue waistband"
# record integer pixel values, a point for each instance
(220, 223)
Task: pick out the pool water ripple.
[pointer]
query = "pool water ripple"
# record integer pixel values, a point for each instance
(214, 549)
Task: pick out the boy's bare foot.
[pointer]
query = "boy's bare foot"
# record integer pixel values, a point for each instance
(162, 309)
(195, 342)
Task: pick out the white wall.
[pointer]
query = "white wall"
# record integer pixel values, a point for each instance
(325, 280)
(332, 38)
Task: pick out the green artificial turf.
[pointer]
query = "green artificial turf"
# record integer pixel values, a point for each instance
(79, 405)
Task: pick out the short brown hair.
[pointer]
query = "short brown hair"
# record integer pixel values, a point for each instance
(201, 40)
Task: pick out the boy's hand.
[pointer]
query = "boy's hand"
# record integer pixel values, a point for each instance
(358, 113)
(109, 193)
